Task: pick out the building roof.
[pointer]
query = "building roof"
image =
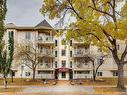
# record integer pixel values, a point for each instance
(44, 23)
(10, 25)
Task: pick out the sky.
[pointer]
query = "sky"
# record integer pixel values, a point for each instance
(25, 12)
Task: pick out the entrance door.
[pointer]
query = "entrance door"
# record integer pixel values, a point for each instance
(56, 75)
(63, 75)
(71, 75)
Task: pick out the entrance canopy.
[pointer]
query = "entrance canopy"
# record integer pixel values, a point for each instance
(63, 69)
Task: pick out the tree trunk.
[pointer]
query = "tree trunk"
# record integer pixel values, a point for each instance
(94, 77)
(5, 82)
(34, 74)
(94, 73)
(120, 84)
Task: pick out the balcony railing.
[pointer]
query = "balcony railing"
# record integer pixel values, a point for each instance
(45, 76)
(45, 40)
(81, 52)
(45, 66)
(46, 52)
(79, 65)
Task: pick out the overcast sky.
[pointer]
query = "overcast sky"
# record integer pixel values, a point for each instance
(24, 12)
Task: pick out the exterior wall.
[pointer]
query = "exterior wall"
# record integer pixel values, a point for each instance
(85, 71)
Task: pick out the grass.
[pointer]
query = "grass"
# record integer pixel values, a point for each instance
(12, 89)
(104, 81)
(108, 91)
(19, 81)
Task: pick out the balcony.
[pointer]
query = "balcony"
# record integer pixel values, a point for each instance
(46, 53)
(45, 66)
(45, 76)
(82, 66)
(81, 52)
(45, 40)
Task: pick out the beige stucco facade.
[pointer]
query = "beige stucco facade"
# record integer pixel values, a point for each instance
(59, 60)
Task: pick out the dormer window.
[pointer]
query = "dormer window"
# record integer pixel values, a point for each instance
(28, 35)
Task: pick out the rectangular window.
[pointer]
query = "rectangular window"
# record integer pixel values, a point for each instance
(70, 53)
(99, 73)
(118, 47)
(27, 73)
(70, 64)
(63, 75)
(63, 42)
(28, 35)
(115, 73)
(63, 53)
(70, 42)
(55, 64)
(55, 53)
(56, 43)
(10, 34)
(63, 63)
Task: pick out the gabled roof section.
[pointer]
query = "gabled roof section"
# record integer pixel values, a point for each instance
(42, 24)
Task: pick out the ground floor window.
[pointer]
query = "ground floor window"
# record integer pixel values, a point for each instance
(45, 72)
(99, 73)
(63, 75)
(27, 73)
(83, 72)
(115, 73)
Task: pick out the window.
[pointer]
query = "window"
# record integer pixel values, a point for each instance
(118, 47)
(63, 63)
(55, 53)
(70, 42)
(115, 73)
(70, 64)
(55, 64)
(63, 53)
(63, 75)
(99, 73)
(10, 34)
(56, 43)
(70, 53)
(63, 42)
(27, 73)
(28, 35)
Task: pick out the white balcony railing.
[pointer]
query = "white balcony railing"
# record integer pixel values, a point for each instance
(45, 39)
(45, 76)
(45, 66)
(81, 52)
(46, 52)
(78, 76)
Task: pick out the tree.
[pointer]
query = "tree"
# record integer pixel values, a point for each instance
(6, 53)
(30, 56)
(100, 22)
(3, 11)
(6, 57)
(95, 67)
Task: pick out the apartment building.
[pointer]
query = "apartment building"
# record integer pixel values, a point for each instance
(57, 58)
